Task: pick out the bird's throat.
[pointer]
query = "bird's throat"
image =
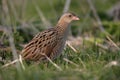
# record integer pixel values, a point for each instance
(62, 27)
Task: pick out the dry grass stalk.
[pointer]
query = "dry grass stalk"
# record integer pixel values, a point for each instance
(66, 6)
(58, 67)
(11, 63)
(69, 45)
(21, 61)
(96, 15)
(46, 23)
(100, 23)
(112, 63)
(15, 61)
(114, 44)
(67, 60)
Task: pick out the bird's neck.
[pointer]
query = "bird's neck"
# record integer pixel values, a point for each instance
(62, 27)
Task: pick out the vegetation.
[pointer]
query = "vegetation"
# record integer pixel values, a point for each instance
(95, 52)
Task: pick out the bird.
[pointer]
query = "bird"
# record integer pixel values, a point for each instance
(49, 42)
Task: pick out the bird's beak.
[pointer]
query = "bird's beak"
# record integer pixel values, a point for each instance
(76, 18)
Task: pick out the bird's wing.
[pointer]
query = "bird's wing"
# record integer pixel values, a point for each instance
(41, 44)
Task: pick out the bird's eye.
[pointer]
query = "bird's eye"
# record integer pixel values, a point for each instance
(70, 15)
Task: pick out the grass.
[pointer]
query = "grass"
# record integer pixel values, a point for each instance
(90, 65)
(91, 62)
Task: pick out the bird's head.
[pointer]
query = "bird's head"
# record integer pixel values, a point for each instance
(68, 17)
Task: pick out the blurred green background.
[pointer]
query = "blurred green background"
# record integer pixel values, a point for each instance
(96, 37)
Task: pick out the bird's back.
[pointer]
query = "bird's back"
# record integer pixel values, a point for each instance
(42, 44)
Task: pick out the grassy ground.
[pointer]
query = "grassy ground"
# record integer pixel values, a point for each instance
(86, 65)
(90, 62)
